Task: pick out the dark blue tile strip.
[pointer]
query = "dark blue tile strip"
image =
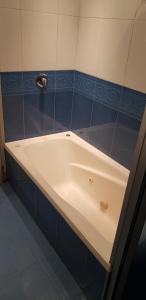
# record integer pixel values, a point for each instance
(13, 117)
(12, 83)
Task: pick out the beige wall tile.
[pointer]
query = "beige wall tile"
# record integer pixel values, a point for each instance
(109, 8)
(67, 42)
(141, 11)
(9, 3)
(10, 40)
(39, 39)
(136, 70)
(50, 6)
(88, 45)
(113, 50)
(69, 7)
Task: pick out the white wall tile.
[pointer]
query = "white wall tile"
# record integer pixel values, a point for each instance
(67, 42)
(136, 70)
(141, 11)
(88, 44)
(109, 8)
(39, 39)
(114, 44)
(10, 40)
(50, 6)
(69, 7)
(9, 3)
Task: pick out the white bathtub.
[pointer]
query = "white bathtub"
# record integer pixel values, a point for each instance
(86, 186)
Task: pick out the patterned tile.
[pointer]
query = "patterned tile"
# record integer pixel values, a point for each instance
(12, 83)
(64, 79)
(108, 93)
(85, 85)
(133, 103)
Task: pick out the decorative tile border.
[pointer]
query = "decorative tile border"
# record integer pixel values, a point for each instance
(15, 83)
(112, 95)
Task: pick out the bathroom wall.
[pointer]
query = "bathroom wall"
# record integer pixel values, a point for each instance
(112, 70)
(114, 36)
(38, 35)
(103, 45)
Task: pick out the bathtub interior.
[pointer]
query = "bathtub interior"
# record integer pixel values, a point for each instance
(88, 186)
(85, 179)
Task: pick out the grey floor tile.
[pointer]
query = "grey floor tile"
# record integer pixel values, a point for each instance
(29, 267)
(31, 284)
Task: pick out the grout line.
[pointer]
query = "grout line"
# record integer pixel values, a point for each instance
(38, 11)
(116, 122)
(73, 99)
(23, 107)
(21, 40)
(73, 15)
(91, 113)
(57, 41)
(138, 8)
(114, 19)
(129, 51)
(55, 101)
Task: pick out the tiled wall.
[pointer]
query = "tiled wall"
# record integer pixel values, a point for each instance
(29, 111)
(36, 35)
(106, 115)
(112, 41)
(104, 39)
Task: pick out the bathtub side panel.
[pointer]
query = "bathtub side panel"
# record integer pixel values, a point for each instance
(86, 270)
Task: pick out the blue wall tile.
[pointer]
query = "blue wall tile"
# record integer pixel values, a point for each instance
(47, 106)
(13, 117)
(71, 99)
(102, 127)
(12, 83)
(85, 85)
(108, 93)
(64, 79)
(133, 103)
(81, 114)
(32, 115)
(127, 129)
(38, 114)
(63, 110)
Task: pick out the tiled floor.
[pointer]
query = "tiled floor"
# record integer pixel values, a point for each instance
(29, 267)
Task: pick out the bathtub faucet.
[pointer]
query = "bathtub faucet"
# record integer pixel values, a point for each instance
(42, 81)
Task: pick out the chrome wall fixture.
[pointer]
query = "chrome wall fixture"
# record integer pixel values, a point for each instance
(42, 81)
